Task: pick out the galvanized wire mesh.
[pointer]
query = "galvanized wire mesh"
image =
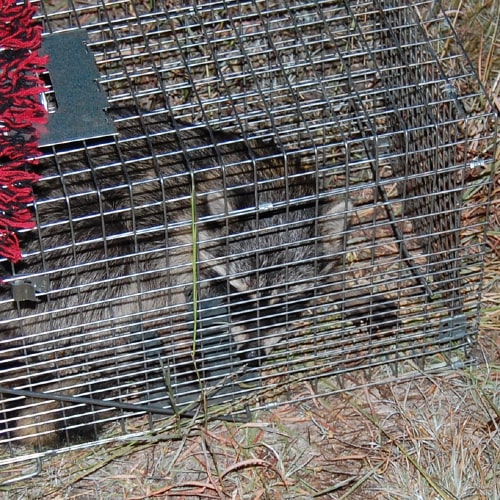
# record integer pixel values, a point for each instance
(287, 199)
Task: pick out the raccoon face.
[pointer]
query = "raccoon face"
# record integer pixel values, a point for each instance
(272, 265)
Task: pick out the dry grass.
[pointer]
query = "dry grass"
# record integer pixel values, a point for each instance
(435, 437)
(432, 437)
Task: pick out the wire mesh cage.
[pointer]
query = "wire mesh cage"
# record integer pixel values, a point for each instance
(257, 194)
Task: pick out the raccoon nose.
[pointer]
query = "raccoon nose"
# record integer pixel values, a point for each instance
(251, 353)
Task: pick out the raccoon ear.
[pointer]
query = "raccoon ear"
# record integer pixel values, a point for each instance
(218, 204)
(335, 220)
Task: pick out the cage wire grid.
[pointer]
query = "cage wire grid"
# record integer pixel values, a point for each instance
(315, 159)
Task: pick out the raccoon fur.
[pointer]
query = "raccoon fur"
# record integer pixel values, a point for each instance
(118, 230)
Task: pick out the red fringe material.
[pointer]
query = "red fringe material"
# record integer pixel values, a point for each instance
(20, 110)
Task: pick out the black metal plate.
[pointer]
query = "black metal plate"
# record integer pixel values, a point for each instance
(80, 104)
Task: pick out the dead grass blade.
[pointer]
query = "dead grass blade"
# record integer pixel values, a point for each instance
(183, 489)
(445, 495)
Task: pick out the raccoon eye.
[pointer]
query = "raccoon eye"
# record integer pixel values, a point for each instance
(240, 298)
(280, 306)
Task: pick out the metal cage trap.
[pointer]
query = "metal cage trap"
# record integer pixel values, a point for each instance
(237, 197)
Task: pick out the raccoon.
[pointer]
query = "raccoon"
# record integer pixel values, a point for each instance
(133, 236)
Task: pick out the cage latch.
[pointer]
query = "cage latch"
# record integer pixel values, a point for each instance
(26, 289)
